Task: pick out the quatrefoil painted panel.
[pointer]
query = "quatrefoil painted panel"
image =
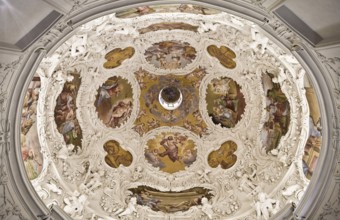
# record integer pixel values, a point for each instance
(116, 155)
(224, 156)
(224, 54)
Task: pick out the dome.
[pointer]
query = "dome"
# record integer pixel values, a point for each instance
(181, 111)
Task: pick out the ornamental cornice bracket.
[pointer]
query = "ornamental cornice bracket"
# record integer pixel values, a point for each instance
(3, 174)
(336, 129)
(4, 134)
(296, 48)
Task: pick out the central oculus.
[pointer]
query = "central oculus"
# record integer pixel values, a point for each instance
(170, 97)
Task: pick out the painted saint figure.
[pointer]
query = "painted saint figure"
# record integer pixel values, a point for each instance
(171, 149)
(170, 152)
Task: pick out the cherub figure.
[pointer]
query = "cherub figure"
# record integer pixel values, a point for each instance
(137, 174)
(207, 208)
(171, 149)
(266, 207)
(75, 205)
(131, 208)
(93, 180)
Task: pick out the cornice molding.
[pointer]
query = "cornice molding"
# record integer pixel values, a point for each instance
(328, 157)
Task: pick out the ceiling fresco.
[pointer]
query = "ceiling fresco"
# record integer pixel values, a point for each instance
(30, 145)
(116, 155)
(313, 144)
(170, 112)
(183, 8)
(168, 26)
(277, 114)
(152, 115)
(224, 54)
(171, 152)
(117, 56)
(114, 101)
(225, 102)
(223, 156)
(170, 54)
(65, 112)
(170, 202)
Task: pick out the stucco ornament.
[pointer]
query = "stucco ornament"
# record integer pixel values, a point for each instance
(267, 79)
(266, 207)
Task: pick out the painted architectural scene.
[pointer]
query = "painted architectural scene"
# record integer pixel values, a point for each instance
(114, 102)
(224, 54)
(65, 112)
(170, 54)
(224, 156)
(313, 144)
(30, 145)
(171, 201)
(152, 114)
(116, 155)
(184, 8)
(170, 152)
(225, 102)
(277, 114)
(116, 57)
(168, 26)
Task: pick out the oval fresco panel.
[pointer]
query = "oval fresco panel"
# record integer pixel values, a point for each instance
(225, 102)
(114, 102)
(171, 152)
(224, 156)
(278, 114)
(170, 54)
(30, 145)
(116, 155)
(65, 112)
(313, 144)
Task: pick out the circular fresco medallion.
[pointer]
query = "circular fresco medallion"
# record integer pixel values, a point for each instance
(225, 102)
(171, 152)
(114, 102)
